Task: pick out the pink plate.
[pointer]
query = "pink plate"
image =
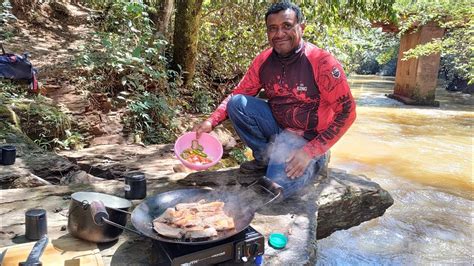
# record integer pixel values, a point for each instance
(211, 145)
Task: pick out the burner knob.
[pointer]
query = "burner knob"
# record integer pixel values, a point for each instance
(244, 259)
(253, 249)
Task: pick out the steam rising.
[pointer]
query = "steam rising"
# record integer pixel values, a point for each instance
(242, 202)
(282, 146)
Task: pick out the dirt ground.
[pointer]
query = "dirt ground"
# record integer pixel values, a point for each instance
(53, 44)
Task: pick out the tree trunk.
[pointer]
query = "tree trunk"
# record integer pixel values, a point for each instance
(162, 17)
(22, 8)
(185, 37)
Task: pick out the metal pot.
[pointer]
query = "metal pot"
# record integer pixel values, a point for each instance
(81, 221)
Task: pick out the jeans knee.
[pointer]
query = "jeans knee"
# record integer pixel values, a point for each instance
(236, 102)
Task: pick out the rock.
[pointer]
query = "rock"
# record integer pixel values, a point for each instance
(179, 168)
(347, 200)
(34, 164)
(6, 114)
(97, 130)
(224, 177)
(108, 139)
(114, 161)
(225, 136)
(296, 217)
(29, 181)
(60, 10)
(79, 177)
(10, 135)
(48, 165)
(337, 202)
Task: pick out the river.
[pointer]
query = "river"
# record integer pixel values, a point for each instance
(424, 157)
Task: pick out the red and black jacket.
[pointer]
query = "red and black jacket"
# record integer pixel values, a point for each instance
(307, 93)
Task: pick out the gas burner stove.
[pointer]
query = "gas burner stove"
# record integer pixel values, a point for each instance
(242, 249)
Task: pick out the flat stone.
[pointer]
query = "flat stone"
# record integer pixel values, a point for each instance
(337, 202)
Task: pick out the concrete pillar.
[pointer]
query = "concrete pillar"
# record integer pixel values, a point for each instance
(415, 81)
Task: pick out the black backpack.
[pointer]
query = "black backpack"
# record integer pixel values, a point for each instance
(17, 67)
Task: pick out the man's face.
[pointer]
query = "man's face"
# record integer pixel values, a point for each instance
(284, 32)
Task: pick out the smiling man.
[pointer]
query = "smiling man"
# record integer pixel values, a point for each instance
(309, 105)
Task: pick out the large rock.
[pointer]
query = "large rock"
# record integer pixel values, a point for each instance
(337, 202)
(346, 200)
(46, 165)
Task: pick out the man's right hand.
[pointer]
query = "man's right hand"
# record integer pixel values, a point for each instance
(204, 127)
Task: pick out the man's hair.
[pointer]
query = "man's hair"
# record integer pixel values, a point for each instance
(284, 5)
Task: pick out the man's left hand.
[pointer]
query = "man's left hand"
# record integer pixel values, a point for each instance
(297, 164)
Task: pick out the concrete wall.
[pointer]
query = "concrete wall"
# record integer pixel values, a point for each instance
(415, 80)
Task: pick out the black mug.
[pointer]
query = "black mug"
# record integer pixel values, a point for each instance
(135, 186)
(8, 155)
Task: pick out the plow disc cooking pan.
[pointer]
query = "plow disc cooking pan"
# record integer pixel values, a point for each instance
(237, 207)
(148, 210)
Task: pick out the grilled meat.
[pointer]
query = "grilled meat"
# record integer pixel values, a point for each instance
(167, 230)
(220, 222)
(204, 233)
(181, 206)
(167, 216)
(194, 220)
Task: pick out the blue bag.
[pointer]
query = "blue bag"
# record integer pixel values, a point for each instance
(18, 67)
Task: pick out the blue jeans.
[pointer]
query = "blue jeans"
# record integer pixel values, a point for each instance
(253, 121)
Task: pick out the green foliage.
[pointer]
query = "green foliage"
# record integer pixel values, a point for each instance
(124, 15)
(37, 117)
(5, 12)
(344, 28)
(347, 13)
(238, 154)
(388, 52)
(96, 4)
(153, 118)
(456, 47)
(203, 101)
(127, 57)
(126, 52)
(367, 48)
(45, 120)
(74, 140)
(231, 35)
(12, 91)
(6, 17)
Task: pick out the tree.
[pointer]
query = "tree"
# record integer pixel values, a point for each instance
(160, 14)
(185, 37)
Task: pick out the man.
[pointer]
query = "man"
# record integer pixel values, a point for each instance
(309, 106)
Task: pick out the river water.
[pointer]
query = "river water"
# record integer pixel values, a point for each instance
(424, 157)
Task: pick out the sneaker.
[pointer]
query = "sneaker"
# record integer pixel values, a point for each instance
(253, 166)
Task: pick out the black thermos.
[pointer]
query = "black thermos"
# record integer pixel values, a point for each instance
(36, 225)
(135, 186)
(8, 155)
